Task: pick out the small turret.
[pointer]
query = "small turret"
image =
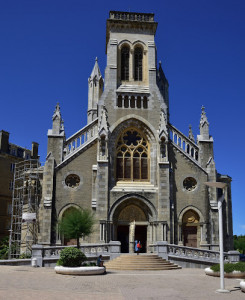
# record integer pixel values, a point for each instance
(190, 135)
(56, 136)
(205, 141)
(204, 126)
(95, 89)
(58, 123)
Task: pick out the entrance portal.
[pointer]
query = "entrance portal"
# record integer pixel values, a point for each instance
(130, 223)
(190, 228)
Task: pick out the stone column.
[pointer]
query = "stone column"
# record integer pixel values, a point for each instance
(180, 239)
(131, 236)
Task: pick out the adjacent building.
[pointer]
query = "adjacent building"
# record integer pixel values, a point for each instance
(10, 154)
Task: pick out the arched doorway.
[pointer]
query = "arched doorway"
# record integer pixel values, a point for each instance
(190, 226)
(66, 241)
(130, 222)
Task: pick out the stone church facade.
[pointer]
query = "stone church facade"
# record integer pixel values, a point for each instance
(142, 177)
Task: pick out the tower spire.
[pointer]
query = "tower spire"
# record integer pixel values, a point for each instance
(96, 70)
(95, 89)
(204, 125)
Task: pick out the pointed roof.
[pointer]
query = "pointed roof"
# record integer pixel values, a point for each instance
(190, 135)
(204, 118)
(57, 111)
(96, 70)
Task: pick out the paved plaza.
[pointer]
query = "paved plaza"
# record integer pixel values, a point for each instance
(43, 283)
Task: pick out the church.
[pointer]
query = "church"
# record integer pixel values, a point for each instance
(140, 175)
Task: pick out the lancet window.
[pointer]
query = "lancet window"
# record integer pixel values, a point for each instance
(132, 156)
(125, 63)
(138, 57)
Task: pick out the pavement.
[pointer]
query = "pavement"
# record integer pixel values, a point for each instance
(21, 282)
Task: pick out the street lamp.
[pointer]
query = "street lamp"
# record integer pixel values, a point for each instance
(220, 185)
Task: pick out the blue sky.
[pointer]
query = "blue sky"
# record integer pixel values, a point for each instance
(48, 50)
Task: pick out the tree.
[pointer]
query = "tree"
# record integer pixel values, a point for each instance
(4, 248)
(77, 223)
(239, 243)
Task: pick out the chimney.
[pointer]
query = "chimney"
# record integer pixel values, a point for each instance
(4, 141)
(34, 150)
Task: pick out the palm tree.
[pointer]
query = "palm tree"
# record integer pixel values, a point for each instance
(77, 223)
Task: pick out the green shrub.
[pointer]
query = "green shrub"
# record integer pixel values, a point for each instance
(240, 266)
(228, 268)
(71, 257)
(215, 268)
(25, 255)
(89, 264)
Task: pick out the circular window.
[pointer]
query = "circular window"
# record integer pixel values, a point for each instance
(72, 180)
(190, 183)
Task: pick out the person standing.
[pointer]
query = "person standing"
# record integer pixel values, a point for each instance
(136, 246)
(139, 246)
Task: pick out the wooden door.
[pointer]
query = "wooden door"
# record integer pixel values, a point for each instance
(123, 237)
(190, 236)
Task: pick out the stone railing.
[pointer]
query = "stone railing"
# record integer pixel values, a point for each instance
(196, 255)
(184, 143)
(41, 253)
(143, 17)
(81, 138)
(88, 250)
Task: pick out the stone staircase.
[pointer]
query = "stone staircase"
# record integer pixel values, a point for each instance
(149, 262)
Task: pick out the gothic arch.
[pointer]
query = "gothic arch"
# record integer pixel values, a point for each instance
(67, 207)
(138, 200)
(140, 43)
(191, 207)
(62, 212)
(124, 43)
(191, 227)
(149, 130)
(143, 126)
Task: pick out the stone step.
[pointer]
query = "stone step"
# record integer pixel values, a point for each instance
(140, 262)
(143, 268)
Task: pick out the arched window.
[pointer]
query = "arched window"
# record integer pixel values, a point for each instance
(125, 63)
(132, 156)
(126, 102)
(138, 57)
(145, 102)
(132, 102)
(138, 102)
(119, 101)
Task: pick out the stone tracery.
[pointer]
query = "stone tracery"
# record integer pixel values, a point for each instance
(132, 156)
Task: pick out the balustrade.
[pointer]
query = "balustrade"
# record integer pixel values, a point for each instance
(132, 16)
(184, 143)
(87, 249)
(130, 101)
(80, 138)
(194, 253)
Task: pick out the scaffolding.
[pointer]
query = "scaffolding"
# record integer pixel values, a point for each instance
(25, 202)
